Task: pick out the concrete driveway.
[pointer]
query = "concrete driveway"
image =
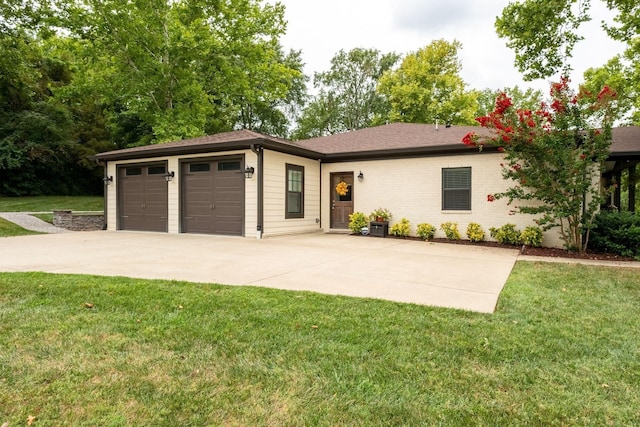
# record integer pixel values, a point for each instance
(458, 276)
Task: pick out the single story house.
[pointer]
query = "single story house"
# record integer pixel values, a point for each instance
(244, 183)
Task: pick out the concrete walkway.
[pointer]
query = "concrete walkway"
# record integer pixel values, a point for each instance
(458, 276)
(30, 222)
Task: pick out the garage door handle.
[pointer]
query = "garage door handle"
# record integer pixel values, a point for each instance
(144, 206)
(212, 206)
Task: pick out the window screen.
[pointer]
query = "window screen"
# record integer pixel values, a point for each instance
(295, 192)
(456, 189)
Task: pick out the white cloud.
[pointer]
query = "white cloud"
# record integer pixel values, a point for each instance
(434, 16)
(321, 28)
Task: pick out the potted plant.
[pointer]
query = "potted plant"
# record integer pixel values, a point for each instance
(380, 215)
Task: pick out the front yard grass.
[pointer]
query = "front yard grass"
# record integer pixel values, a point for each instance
(561, 349)
(9, 229)
(51, 203)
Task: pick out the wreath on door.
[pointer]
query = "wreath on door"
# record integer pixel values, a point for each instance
(342, 188)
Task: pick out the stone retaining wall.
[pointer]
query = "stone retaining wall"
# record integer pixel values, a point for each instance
(78, 221)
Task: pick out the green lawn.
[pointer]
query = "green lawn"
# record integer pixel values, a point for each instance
(50, 203)
(9, 229)
(561, 349)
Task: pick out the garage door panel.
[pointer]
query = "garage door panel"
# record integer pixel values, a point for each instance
(226, 211)
(143, 198)
(227, 196)
(198, 183)
(213, 197)
(198, 224)
(196, 197)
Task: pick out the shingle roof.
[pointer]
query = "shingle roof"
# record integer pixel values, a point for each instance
(395, 139)
(625, 141)
(394, 136)
(239, 139)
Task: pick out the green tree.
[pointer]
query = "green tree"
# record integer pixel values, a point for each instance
(554, 156)
(84, 76)
(347, 97)
(319, 117)
(174, 69)
(544, 33)
(35, 131)
(622, 79)
(268, 104)
(529, 99)
(427, 86)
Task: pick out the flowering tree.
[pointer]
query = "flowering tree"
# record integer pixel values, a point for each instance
(554, 156)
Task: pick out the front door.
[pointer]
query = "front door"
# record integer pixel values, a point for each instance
(341, 199)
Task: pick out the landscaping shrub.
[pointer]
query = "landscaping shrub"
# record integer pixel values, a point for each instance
(426, 231)
(401, 229)
(450, 230)
(382, 214)
(531, 236)
(507, 234)
(616, 233)
(475, 233)
(357, 220)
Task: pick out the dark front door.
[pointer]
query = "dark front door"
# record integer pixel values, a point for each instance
(143, 197)
(213, 196)
(341, 204)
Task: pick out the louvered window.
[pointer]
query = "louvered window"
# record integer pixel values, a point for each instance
(456, 189)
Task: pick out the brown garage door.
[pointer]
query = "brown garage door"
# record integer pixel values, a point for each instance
(142, 201)
(213, 196)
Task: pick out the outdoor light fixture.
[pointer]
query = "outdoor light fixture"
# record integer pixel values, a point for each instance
(107, 179)
(169, 176)
(248, 172)
(360, 176)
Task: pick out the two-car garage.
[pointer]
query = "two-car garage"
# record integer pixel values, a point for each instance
(211, 196)
(235, 183)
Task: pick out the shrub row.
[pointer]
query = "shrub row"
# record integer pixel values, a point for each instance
(507, 234)
(616, 233)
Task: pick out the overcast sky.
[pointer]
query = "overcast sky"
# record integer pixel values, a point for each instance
(320, 28)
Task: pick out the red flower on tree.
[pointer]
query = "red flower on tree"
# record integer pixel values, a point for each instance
(543, 140)
(503, 102)
(469, 139)
(558, 106)
(606, 94)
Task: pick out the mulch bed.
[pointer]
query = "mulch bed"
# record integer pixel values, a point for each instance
(544, 252)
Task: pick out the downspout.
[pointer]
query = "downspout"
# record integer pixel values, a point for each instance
(105, 180)
(258, 149)
(319, 220)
